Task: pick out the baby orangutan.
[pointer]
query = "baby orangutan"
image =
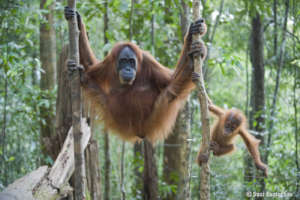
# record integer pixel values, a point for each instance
(231, 123)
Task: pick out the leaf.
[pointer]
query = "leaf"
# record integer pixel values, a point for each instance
(12, 158)
(222, 69)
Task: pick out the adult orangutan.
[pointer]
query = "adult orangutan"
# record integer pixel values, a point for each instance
(136, 96)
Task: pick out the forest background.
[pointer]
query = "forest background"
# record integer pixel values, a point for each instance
(253, 64)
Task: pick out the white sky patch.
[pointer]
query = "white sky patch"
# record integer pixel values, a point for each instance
(224, 16)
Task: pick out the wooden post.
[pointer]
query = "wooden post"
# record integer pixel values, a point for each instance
(203, 98)
(76, 105)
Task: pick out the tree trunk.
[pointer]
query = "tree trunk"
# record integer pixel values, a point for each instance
(94, 170)
(76, 106)
(295, 104)
(137, 163)
(297, 132)
(203, 99)
(257, 101)
(107, 166)
(176, 147)
(63, 120)
(48, 78)
(247, 80)
(123, 192)
(176, 158)
(278, 75)
(150, 191)
(92, 158)
(45, 183)
(107, 161)
(152, 30)
(4, 168)
(150, 173)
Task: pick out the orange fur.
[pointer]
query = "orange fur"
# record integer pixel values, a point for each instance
(222, 139)
(147, 108)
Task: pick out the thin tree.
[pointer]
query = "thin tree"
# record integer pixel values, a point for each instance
(150, 172)
(138, 146)
(210, 40)
(4, 168)
(63, 116)
(137, 163)
(280, 61)
(152, 29)
(247, 80)
(48, 78)
(93, 168)
(295, 100)
(203, 99)
(92, 155)
(79, 173)
(257, 100)
(123, 192)
(297, 133)
(107, 161)
(176, 147)
(150, 191)
(107, 166)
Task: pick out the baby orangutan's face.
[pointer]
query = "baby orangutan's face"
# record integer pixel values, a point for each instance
(232, 122)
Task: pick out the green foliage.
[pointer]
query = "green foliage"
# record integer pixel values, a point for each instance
(166, 189)
(19, 150)
(226, 79)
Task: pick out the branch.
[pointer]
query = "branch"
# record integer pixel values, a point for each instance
(76, 104)
(294, 36)
(203, 98)
(211, 38)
